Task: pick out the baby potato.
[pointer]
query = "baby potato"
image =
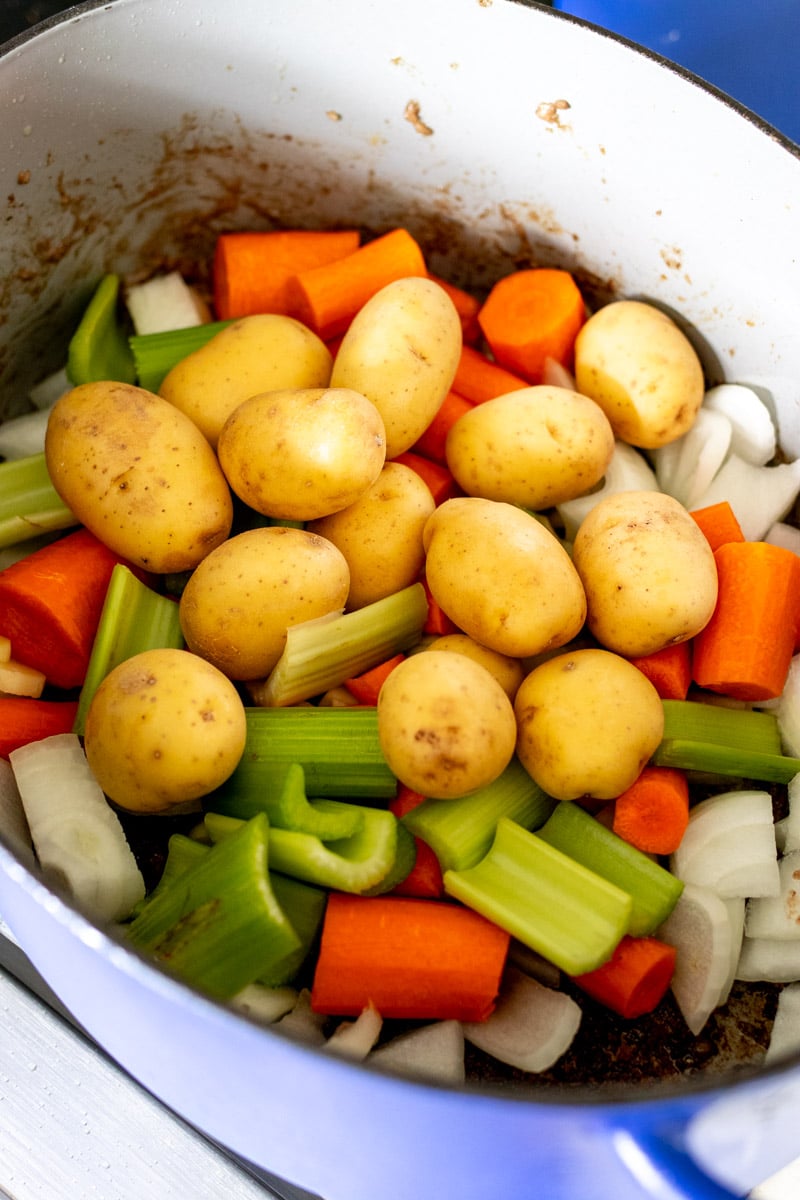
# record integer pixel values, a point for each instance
(502, 577)
(445, 725)
(588, 723)
(642, 370)
(535, 447)
(648, 572)
(401, 350)
(238, 604)
(302, 453)
(509, 672)
(163, 729)
(380, 535)
(259, 353)
(139, 474)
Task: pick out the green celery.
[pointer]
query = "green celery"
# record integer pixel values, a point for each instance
(99, 348)
(304, 905)
(29, 504)
(182, 852)
(721, 741)
(218, 925)
(282, 796)
(364, 862)
(323, 653)
(655, 891)
(548, 901)
(134, 618)
(460, 831)
(155, 354)
(338, 749)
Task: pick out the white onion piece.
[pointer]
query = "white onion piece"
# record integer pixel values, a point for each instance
(735, 906)
(787, 710)
(781, 534)
(787, 830)
(769, 960)
(720, 813)
(265, 1004)
(777, 916)
(699, 928)
(434, 1052)
(355, 1039)
(534, 964)
(13, 822)
(163, 303)
(45, 393)
(302, 1023)
(686, 467)
(23, 436)
(729, 846)
(785, 1036)
(759, 496)
(77, 835)
(555, 374)
(753, 432)
(531, 1026)
(628, 471)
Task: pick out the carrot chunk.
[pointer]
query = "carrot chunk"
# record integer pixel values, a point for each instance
(466, 305)
(652, 814)
(366, 687)
(719, 524)
(746, 649)
(425, 877)
(530, 316)
(437, 476)
(410, 958)
(251, 271)
(23, 720)
(477, 378)
(434, 440)
(635, 979)
(326, 298)
(669, 670)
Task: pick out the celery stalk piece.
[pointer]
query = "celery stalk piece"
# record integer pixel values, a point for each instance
(29, 504)
(282, 796)
(99, 348)
(304, 905)
(134, 618)
(725, 761)
(218, 925)
(323, 653)
(155, 354)
(338, 749)
(460, 831)
(182, 852)
(739, 728)
(361, 863)
(655, 891)
(567, 913)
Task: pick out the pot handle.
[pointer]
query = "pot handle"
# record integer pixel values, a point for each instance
(665, 1171)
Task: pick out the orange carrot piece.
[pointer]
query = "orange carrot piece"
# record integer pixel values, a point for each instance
(251, 270)
(719, 524)
(326, 298)
(410, 958)
(437, 621)
(366, 687)
(746, 649)
(467, 306)
(478, 379)
(530, 316)
(437, 476)
(433, 441)
(635, 979)
(652, 814)
(669, 670)
(50, 605)
(425, 877)
(23, 720)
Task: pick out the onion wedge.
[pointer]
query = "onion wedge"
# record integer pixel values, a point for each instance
(699, 928)
(531, 1026)
(778, 916)
(434, 1051)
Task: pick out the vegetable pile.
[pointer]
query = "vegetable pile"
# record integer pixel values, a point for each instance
(450, 640)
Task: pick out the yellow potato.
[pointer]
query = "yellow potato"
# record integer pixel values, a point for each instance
(445, 725)
(401, 351)
(380, 535)
(648, 572)
(588, 723)
(303, 453)
(502, 577)
(642, 370)
(535, 447)
(260, 353)
(139, 474)
(509, 672)
(238, 604)
(163, 729)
